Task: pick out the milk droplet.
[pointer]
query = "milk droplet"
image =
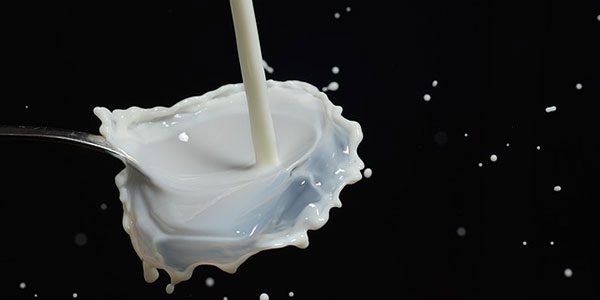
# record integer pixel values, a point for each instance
(538, 147)
(333, 86)
(80, 239)
(335, 70)
(524, 243)
(466, 134)
(557, 188)
(209, 282)
(348, 9)
(550, 109)
(598, 18)
(493, 157)
(22, 285)
(579, 86)
(170, 288)
(434, 83)
(336, 15)
(427, 97)
(368, 172)
(35, 296)
(225, 298)
(480, 165)
(183, 137)
(103, 206)
(507, 144)
(551, 243)
(26, 106)
(568, 273)
(264, 296)
(75, 295)
(291, 294)
(267, 68)
(461, 231)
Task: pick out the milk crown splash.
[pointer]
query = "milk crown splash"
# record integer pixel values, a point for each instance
(198, 201)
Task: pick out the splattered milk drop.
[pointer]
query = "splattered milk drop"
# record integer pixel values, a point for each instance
(426, 97)
(568, 273)
(267, 68)
(557, 188)
(368, 172)
(333, 86)
(183, 137)
(209, 282)
(493, 157)
(264, 296)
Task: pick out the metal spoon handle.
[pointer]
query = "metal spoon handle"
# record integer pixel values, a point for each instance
(85, 139)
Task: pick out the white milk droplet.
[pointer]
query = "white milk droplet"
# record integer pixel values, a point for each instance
(507, 144)
(80, 239)
(75, 295)
(26, 106)
(579, 86)
(291, 294)
(557, 188)
(466, 134)
(524, 243)
(348, 9)
(335, 70)
(538, 147)
(170, 288)
(35, 296)
(209, 282)
(493, 157)
(225, 298)
(598, 18)
(333, 86)
(552, 243)
(183, 137)
(461, 231)
(480, 165)
(427, 97)
(268, 68)
(368, 172)
(103, 206)
(22, 285)
(434, 83)
(336, 15)
(550, 109)
(568, 273)
(264, 296)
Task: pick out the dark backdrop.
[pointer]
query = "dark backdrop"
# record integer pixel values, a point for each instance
(499, 65)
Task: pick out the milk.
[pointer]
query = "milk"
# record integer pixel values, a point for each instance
(199, 200)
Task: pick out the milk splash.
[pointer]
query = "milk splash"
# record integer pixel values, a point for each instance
(201, 201)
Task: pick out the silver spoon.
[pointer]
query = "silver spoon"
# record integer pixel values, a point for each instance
(96, 142)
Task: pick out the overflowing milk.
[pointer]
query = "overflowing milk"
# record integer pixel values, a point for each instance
(192, 194)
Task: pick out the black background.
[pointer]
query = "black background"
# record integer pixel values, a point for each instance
(499, 65)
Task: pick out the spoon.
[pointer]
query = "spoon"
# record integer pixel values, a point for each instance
(93, 141)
